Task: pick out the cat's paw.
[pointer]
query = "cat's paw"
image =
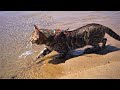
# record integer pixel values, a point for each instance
(92, 50)
(36, 58)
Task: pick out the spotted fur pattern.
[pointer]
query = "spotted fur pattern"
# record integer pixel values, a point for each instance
(64, 41)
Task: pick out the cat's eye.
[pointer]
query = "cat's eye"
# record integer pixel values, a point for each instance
(36, 36)
(35, 39)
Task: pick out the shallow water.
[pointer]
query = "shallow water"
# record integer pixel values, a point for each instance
(16, 27)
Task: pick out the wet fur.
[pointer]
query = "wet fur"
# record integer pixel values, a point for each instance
(65, 41)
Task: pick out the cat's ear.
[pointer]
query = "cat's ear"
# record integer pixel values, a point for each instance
(36, 27)
(36, 30)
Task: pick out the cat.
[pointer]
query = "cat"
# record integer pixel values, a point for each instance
(64, 41)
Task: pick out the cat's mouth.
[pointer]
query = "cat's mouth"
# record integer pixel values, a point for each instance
(37, 43)
(32, 42)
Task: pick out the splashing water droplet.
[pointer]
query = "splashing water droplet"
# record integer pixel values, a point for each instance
(29, 45)
(28, 52)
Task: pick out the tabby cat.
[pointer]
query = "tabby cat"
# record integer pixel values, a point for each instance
(64, 41)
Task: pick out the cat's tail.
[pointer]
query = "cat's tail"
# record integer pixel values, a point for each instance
(112, 34)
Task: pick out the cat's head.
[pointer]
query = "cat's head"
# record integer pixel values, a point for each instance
(37, 36)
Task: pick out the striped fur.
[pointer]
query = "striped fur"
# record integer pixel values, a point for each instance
(65, 41)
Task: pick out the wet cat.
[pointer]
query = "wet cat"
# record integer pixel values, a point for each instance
(65, 41)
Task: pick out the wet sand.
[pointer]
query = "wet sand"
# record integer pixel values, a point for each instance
(105, 65)
(102, 65)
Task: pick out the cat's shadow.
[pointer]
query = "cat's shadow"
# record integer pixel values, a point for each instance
(103, 51)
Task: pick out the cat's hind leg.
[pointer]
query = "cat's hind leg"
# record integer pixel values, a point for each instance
(103, 41)
(95, 48)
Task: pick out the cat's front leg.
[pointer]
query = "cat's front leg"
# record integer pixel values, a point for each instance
(44, 52)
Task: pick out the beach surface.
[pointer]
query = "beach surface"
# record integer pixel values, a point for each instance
(16, 28)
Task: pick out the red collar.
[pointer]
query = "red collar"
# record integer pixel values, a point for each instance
(57, 31)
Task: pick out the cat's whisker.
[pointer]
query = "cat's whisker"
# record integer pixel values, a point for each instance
(29, 45)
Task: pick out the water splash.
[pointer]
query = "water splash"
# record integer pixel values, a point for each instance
(29, 45)
(28, 52)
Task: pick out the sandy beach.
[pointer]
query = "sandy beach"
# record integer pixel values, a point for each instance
(89, 66)
(104, 64)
